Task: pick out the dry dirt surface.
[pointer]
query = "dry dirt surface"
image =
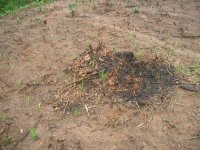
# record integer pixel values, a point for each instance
(79, 78)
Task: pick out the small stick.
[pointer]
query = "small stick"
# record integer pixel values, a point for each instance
(156, 106)
(111, 102)
(86, 108)
(169, 72)
(2, 131)
(179, 104)
(79, 80)
(193, 138)
(137, 104)
(170, 122)
(187, 36)
(140, 125)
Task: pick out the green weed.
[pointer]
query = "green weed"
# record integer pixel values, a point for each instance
(183, 70)
(30, 63)
(72, 7)
(5, 30)
(39, 107)
(102, 75)
(6, 141)
(33, 134)
(41, 9)
(92, 63)
(29, 99)
(79, 2)
(68, 73)
(87, 41)
(76, 112)
(196, 62)
(177, 44)
(82, 86)
(4, 118)
(17, 20)
(114, 47)
(132, 37)
(138, 54)
(19, 84)
(195, 67)
(136, 9)
(169, 122)
(148, 86)
(73, 55)
(191, 70)
(34, 82)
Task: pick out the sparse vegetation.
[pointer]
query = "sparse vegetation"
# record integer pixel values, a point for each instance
(89, 68)
(6, 141)
(5, 30)
(76, 112)
(11, 6)
(72, 7)
(4, 118)
(18, 84)
(190, 70)
(138, 54)
(102, 75)
(34, 82)
(114, 47)
(39, 106)
(93, 63)
(82, 1)
(196, 62)
(169, 122)
(136, 9)
(132, 37)
(33, 134)
(28, 99)
(73, 55)
(183, 70)
(82, 86)
(17, 19)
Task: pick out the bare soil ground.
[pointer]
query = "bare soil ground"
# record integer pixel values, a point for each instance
(37, 45)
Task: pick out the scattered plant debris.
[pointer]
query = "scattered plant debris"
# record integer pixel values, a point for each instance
(117, 74)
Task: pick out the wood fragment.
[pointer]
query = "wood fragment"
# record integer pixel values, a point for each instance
(194, 138)
(86, 108)
(111, 102)
(79, 80)
(189, 87)
(2, 131)
(137, 104)
(188, 36)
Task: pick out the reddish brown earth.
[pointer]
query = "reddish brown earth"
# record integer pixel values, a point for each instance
(36, 46)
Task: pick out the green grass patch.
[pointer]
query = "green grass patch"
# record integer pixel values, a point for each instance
(11, 6)
(82, 86)
(136, 9)
(76, 112)
(192, 70)
(4, 118)
(183, 70)
(33, 133)
(138, 54)
(102, 75)
(6, 141)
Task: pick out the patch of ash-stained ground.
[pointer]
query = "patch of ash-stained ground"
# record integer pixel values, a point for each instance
(116, 75)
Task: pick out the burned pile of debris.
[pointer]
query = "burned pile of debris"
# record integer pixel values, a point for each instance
(120, 74)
